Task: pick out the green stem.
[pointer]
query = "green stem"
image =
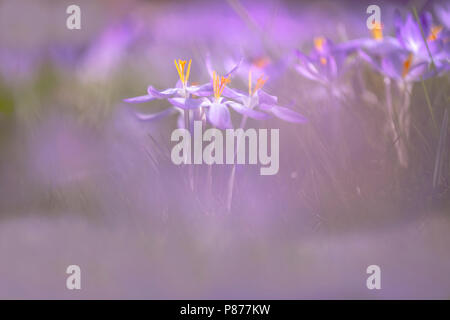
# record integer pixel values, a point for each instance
(416, 16)
(427, 98)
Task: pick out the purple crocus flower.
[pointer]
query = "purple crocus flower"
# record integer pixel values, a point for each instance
(411, 39)
(218, 113)
(407, 57)
(325, 63)
(258, 100)
(179, 96)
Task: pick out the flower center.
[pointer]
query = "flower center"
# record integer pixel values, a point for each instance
(184, 75)
(407, 65)
(219, 84)
(434, 33)
(259, 83)
(377, 31)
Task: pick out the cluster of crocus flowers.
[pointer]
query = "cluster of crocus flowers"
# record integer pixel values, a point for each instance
(418, 50)
(215, 98)
(417, 45)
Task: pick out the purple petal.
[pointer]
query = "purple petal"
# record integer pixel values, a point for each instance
(306, 67)
(392, 64)
(286, 114)
(418, 70)
(204, 90)
(233, 93)
(219, 116)
(266, 98)
(248, 111)
(186, 103)
(155, 116)
(139, 99)
(168, 93)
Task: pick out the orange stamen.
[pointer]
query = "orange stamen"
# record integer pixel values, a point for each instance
(219, 84)
(434, 33)
(407, 65)
(377, 31)
(318, 43)
(259, 83)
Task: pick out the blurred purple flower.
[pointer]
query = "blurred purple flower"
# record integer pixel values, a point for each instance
(409, 55)
(442, 11)
(258, 100)
(108, 50)
(411, 39)
(326, 62)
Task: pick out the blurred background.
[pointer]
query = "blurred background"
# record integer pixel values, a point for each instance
(83, 181)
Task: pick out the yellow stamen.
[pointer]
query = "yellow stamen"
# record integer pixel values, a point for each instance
(219, 84)
(377, 31)
(434, 33)
(407, 65)
(318, 43)
(180, 65)
(323, 60)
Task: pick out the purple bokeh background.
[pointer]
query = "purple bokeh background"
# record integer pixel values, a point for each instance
(83, 181)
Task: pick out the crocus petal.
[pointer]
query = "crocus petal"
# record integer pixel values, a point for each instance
(139, 99)
(154, 116)
(353, 45)
(442, 12)
(392, 64)
(373, 46)
(409, 33)
(233, 93)
(285, 114)
(418, 70)
(264, 97)
(186, 104)
(306, 67)
(246, 111)
(204, 90)
(219, 116)
(168, 93)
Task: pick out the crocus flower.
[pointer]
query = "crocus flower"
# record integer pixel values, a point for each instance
(179, 96)
(218, 113)
(406, 57)
(410, 36)
(325, 63)
(258, 100)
